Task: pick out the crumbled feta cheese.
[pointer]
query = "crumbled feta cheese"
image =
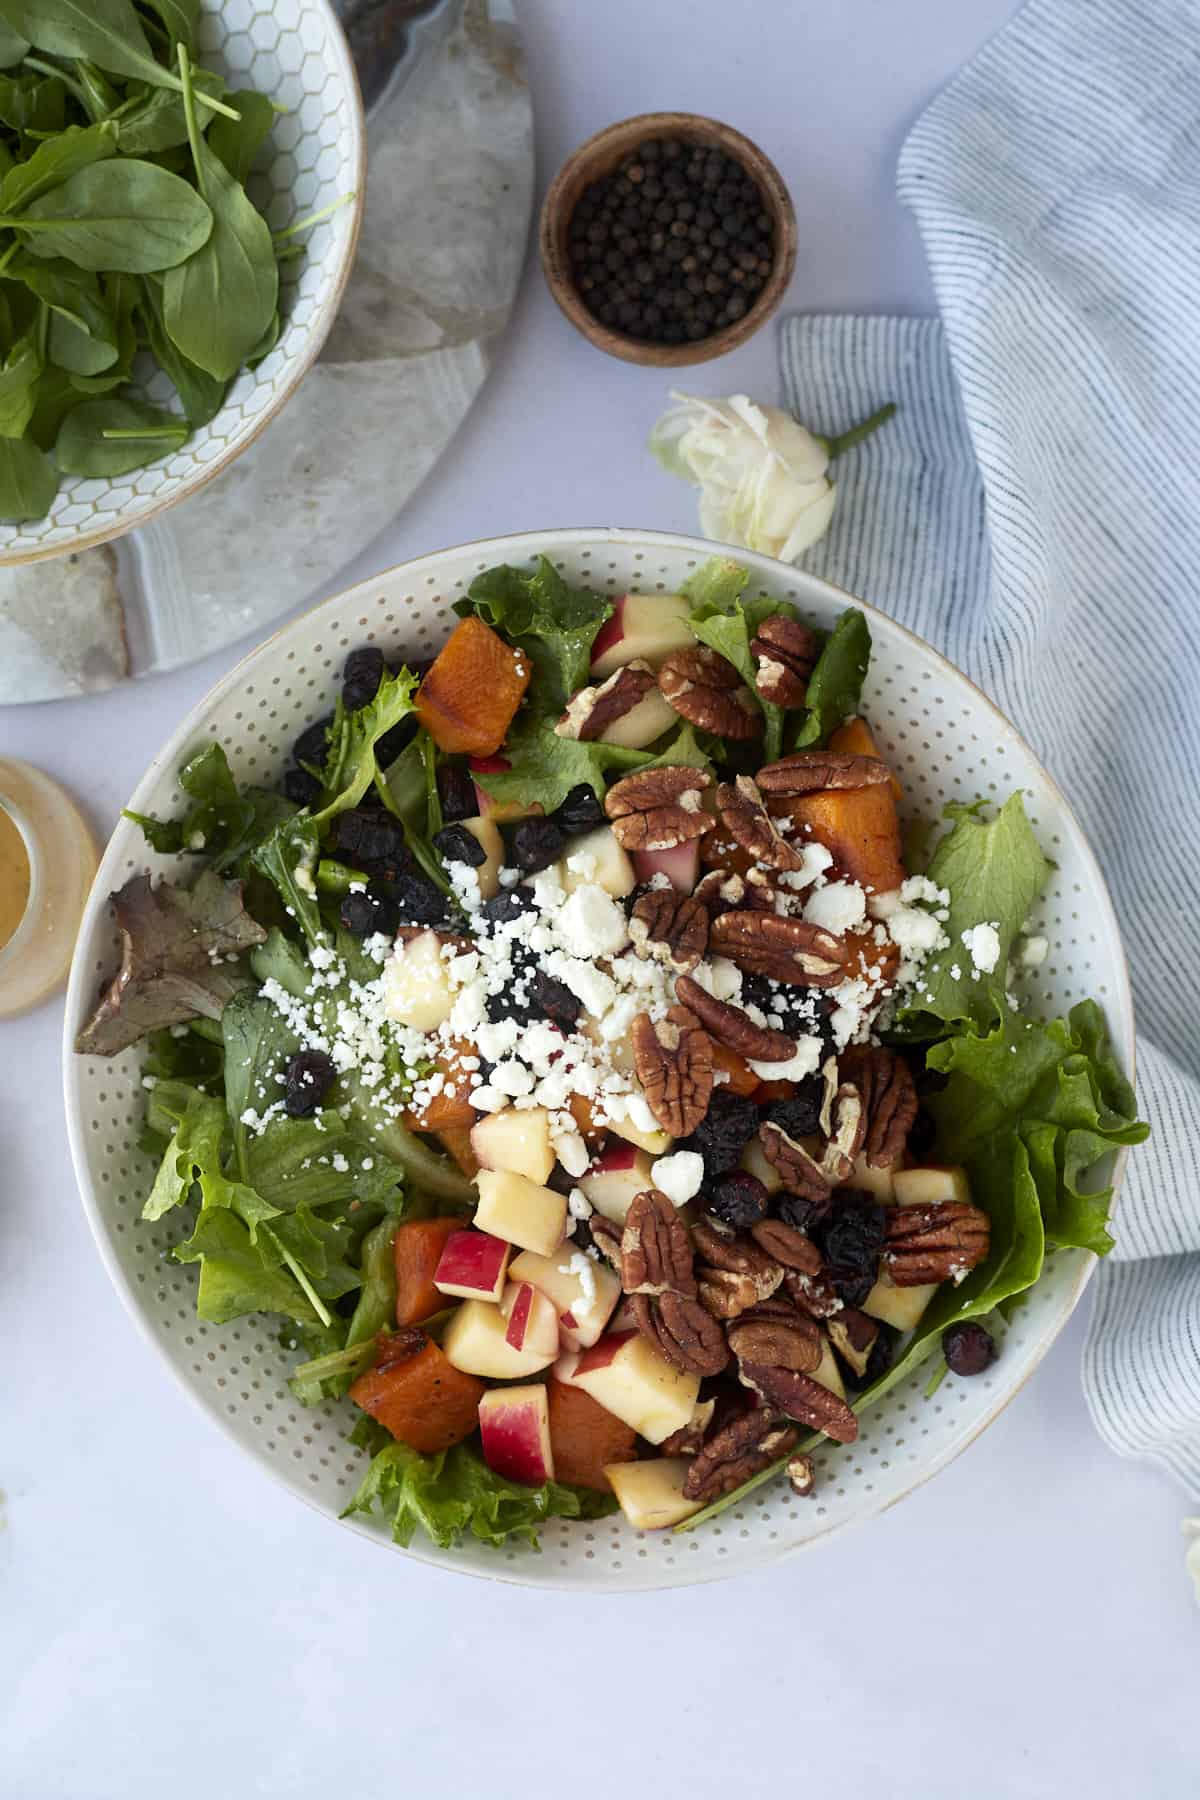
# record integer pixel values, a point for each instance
(839, 906)
(584, 1272)
(678, 1176)
(512, 1078)
(592, 924)
(578, 1204)
(807, 1058)
(1032, 953)
(983, 945)
(915, 932)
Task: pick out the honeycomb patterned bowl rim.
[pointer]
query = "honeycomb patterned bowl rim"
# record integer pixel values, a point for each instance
(340, 242)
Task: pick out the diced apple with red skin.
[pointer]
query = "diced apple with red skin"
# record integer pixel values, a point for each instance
(634, 1383)
(615, 1178)
(581, 1319)
(520, 1211)
(650, 1493)
(515, 1139)
(514, 1426)
(930, 1185)
(472, 1266)
(649, 626)
(680, 865)
(532, 1319)
(655, 1143)
(611, 868)
(642, 723)
(475, 1341)
(489, 808)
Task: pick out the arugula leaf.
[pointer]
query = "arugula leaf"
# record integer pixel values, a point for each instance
(111, 436)
(835, 687)
(238, 141)
(200, 394)
(122, 215)
(105, 32)
(455, 1493)
(222, 822)
(220, 299)
(554, 624)
(994, 871)
(30, 104)
(28, 483)
(545, 767)
(54, 162)
(174, 965)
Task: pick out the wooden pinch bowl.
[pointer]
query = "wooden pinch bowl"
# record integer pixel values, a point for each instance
(598, 157)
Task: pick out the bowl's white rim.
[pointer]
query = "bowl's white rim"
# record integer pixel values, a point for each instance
(297, 368)
(81, 986)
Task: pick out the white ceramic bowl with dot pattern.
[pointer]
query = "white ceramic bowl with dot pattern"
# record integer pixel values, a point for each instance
(294, 51)
(946, 741)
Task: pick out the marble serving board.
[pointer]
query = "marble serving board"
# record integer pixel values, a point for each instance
(450, 186)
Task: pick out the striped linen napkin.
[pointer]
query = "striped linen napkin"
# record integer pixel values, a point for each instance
(1034, 511)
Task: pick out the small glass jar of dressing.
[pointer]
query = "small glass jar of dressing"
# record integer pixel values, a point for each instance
(47, 861)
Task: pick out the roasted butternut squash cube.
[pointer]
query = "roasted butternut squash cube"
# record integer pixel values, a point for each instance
(468, 699)
(417, 1248)
(417, 1395)
(584, 1437)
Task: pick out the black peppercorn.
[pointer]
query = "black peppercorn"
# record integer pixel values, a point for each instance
(672, 245)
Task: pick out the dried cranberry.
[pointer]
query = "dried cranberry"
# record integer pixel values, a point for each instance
(968, 1348)
(555, 1001)
(456, 792)
(723, 1133)
(366, 911)
(851, 1240)
(738, 1199)
(535, 843)
(300, 787)
(580, 811)
(508, 905)
(804, 1214)
(369, 838)
(791, 1009)
(455, 844)
(389, 746)
(362, 673)
(310, 746)
(417, 900)
(924, 1132)
(559, 1181)
(308, 1077)
(800, 1114)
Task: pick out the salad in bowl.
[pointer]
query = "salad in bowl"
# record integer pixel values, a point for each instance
(601, 1087)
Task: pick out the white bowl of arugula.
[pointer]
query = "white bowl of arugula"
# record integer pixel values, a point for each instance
(180, 197)
(646, 1076)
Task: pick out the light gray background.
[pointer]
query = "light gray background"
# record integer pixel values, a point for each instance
(173, 1624)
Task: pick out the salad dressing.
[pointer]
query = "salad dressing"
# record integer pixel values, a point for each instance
(14, 877)
(47, 861)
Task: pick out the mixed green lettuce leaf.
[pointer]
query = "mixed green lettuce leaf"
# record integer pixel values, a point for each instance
(456, 1495)
(553, 623)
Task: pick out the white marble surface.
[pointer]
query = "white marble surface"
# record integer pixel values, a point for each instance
(173, 1624)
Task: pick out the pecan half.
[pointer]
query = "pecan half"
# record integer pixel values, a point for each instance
(656, 1251)
(719, 892)
(789, 950)
(705, 689)
(788, 1245)
(799, 1172)
(736, 1275)
(657, 809)
(741, 1449)
(669, 926)
(731, 1026)
(813, 1294)
(689, 1438)
(761, 893)
(793, 1343)
(607, 1238)
(673, 1060)
(745, 817)
(849, 1129)
(683, 1331)
(934, 1243)
(802, 1475)
(785, 654)
(808, 771)
(592, 710)
(800, 1397)
(889, 1097)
